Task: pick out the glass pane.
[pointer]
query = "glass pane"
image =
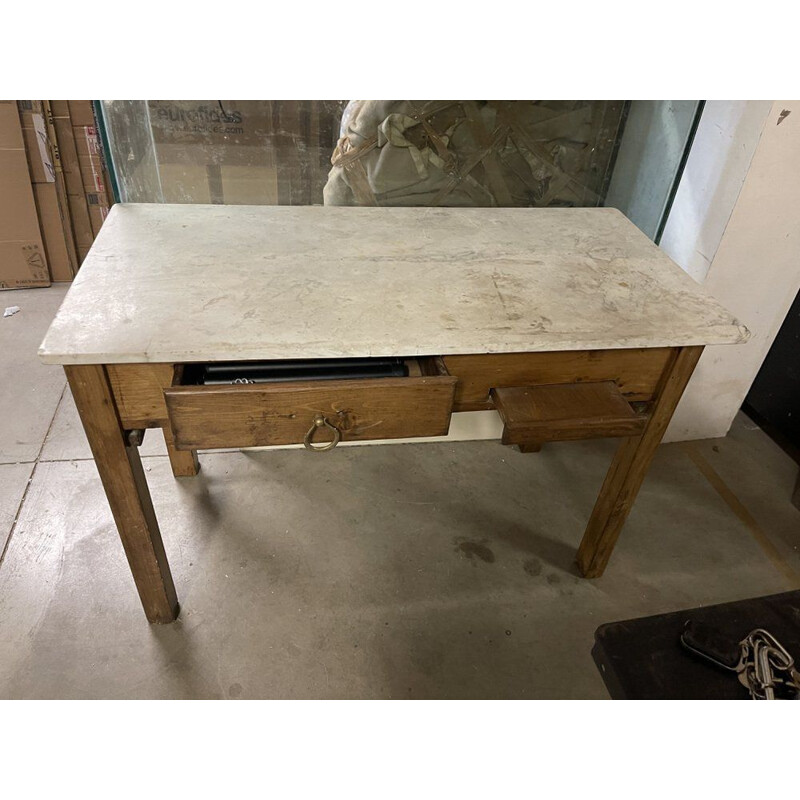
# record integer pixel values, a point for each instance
(401, 152)
(474, 153)
(222, 151)
(651, 149)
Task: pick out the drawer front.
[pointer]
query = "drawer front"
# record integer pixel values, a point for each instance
(257, 415)
(636, 372)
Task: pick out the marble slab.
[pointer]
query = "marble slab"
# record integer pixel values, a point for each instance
(177, 283)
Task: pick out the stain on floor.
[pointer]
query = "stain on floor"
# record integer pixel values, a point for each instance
(475, 550)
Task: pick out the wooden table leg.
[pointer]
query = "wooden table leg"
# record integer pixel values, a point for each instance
(629, 467)
(530, 447)
(121, 472)
(184, 463)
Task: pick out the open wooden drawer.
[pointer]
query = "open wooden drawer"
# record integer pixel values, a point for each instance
(568, 411)
(318, 412)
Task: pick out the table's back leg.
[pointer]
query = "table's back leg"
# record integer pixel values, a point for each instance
(121, 472)
(184, 463)
(629, 467)
(530, 447)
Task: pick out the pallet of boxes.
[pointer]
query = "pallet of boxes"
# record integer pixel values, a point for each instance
(54, 194)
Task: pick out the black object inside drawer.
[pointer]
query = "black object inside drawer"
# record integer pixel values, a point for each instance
(226, 373)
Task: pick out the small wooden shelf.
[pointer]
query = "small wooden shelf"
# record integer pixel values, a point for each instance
(558, 412)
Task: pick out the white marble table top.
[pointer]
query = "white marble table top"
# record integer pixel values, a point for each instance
(177, 283)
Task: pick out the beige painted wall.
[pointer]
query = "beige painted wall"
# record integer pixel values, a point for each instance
(719, 158)
(755, 273)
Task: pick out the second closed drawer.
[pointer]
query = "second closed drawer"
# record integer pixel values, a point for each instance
(257, 415)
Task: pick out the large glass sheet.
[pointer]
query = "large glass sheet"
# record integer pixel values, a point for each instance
(401, 152)
(222, 151)
(651, 150)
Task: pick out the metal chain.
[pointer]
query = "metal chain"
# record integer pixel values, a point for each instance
(765, 666)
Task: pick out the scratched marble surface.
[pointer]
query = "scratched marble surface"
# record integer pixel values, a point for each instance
(201, 282)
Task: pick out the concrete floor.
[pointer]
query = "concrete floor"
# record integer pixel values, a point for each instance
(410, 571)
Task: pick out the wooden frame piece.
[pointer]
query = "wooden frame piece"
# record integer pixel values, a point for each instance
(565, 411)
(184, 463)
(123, 479)
(530, 447)
(635, 371)
(139, 396)
(629, 467)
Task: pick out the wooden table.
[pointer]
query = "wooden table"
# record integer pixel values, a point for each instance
(569, 321)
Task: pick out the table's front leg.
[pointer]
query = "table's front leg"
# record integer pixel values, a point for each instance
(121, 472)
(629, 467)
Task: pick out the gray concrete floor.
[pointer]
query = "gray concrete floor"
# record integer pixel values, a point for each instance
(409, 571)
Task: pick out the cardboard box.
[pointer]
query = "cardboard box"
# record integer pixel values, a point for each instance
(59, 108)
(27, 108)
(215, 151)
(98, 204)
(81, 112)
(97, 215)
(245, 124)
(15, 221)
(10, 126)
(37, 147)
(92, 173)
(66, 144)
(87, 142)
(49, 192)
(293, 138)
(81, 221)
(219, 184)
(53, 224)
(69, 155)
(249, 186)
(73, 180)
(23, 262)
(97, 199)
(216, 172)
(186, 184)
(23, 265)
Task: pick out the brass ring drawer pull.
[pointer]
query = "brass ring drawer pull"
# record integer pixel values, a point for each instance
(321, 422)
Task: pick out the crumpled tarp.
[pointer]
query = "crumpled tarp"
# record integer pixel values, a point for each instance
(473, 153)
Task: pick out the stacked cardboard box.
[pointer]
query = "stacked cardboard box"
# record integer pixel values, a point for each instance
(66, 176)
(214, 151)
(49, 189)
(87, 184)
(241, 151)
(23, 261)
(76, 202)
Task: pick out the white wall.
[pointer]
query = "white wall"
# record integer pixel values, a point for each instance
(720, 156)
(748, 258)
